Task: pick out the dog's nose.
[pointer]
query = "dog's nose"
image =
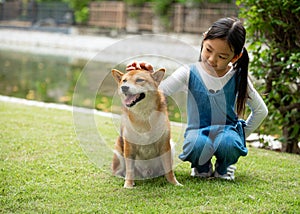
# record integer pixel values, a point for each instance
(124, 89)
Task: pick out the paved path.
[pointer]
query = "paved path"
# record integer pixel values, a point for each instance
(179, 46)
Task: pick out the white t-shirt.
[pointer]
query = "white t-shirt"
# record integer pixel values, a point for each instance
(179, 81)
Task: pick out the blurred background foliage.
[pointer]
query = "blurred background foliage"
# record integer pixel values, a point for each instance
(273, 35)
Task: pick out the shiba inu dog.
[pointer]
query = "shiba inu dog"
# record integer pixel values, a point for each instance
(143, 149)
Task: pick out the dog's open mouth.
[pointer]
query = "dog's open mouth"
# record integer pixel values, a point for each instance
(132, 99)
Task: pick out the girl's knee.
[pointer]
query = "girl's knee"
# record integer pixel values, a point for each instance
(197, 150)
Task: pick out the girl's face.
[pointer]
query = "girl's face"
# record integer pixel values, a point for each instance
(216, 55)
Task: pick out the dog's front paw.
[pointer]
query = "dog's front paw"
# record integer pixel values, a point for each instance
(129, 184)
(178, 184)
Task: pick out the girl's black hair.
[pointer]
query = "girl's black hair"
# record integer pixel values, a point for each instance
(232, 30)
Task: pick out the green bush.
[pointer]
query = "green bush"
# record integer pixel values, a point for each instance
(274, 42)
(81, 10)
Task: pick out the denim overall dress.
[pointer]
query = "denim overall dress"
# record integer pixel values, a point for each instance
(213, 127)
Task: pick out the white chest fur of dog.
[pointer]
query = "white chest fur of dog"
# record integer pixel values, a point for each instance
(143, 148)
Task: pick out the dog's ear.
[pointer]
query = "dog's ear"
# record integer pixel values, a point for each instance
(117, 75)
(158, 75)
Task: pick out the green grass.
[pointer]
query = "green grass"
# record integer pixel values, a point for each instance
(43, 169)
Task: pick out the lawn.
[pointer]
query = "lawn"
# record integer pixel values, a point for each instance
(43, 169)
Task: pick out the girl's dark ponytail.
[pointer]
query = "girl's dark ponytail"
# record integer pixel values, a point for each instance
(241, 66)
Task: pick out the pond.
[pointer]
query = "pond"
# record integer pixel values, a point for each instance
(54, 79)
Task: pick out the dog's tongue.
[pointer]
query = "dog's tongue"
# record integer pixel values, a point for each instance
(131, 98)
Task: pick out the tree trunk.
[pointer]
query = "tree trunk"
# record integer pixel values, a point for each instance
(291, 146)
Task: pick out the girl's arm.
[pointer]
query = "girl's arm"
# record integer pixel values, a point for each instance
(258, 108)
(178, 81)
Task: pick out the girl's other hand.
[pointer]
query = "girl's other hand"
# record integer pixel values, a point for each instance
(139, 65)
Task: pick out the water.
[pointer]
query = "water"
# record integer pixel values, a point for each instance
(54, 79)
(34, 77)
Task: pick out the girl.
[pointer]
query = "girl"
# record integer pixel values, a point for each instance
(218, 89)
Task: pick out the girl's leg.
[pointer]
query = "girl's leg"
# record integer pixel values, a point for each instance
(198, 149)
(230, 147)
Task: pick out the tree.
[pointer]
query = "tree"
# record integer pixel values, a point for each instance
(274, 41)
(81, 10)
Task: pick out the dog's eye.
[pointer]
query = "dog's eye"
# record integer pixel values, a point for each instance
(124, 80)
(139, 80)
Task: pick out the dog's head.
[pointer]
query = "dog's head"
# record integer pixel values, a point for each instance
(136, 85)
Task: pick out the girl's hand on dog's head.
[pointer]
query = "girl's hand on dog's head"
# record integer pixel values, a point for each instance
(139, 65)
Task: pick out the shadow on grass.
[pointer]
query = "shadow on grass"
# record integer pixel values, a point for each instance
(188, 181)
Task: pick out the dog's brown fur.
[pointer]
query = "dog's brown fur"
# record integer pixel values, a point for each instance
(145, 128)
